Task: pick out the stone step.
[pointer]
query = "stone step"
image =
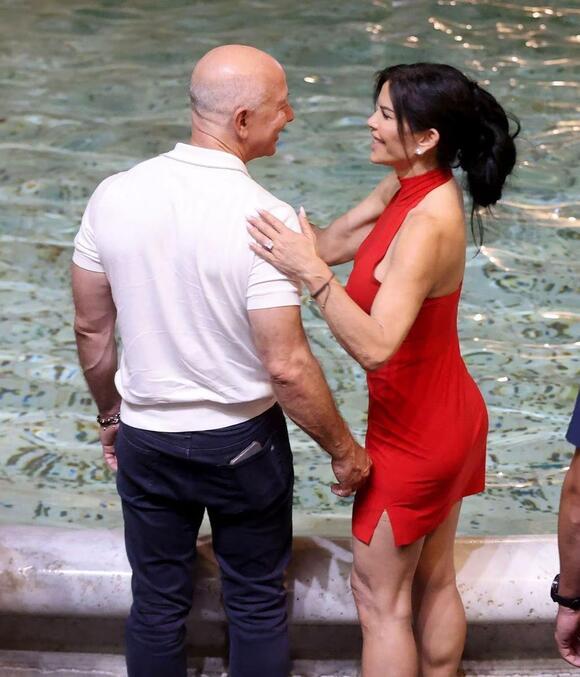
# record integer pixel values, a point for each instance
(69, 591)
(53, 664)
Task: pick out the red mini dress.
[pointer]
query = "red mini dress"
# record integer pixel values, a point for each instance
(427, 421)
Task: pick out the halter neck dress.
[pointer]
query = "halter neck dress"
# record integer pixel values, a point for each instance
(427, 420)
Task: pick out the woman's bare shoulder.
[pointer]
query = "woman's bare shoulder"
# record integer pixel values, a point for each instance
(443, 209)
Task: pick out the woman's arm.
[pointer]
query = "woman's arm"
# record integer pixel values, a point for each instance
(411, 274)
(413, 270)
(340, 241)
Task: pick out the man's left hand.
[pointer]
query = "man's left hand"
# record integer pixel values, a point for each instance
(351, 471)
(108, 436)
(568, 635)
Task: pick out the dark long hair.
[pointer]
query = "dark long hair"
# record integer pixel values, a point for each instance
(473, 128)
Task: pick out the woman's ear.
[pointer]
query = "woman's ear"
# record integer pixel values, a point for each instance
(426, 141)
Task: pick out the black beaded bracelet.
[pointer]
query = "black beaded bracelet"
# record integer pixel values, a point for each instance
(107, 421)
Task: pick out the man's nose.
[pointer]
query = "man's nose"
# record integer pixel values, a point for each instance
(289, 113)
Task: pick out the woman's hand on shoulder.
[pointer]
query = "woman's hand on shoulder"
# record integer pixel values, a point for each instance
(294, 254)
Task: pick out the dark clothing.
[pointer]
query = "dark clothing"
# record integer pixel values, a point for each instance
(166, 481)
(573, 434)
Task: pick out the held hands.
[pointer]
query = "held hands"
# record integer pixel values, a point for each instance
(108, 436)
(351, 471)
(567, 635)
(294, 254)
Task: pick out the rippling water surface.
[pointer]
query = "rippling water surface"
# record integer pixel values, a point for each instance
(90, 88)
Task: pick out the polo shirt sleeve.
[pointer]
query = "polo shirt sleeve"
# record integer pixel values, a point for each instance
(267, 286)
(85, 253)
(573, 434)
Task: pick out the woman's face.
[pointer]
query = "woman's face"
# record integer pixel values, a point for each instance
(386, 146)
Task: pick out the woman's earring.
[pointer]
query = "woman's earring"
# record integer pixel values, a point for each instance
(418, 151)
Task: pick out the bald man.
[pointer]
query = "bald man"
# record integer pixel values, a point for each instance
(213, 349)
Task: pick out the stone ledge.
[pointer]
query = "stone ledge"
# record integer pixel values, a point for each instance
(34, 664)
(73, 575)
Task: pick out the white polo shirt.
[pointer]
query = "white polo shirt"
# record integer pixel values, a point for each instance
(171, 236)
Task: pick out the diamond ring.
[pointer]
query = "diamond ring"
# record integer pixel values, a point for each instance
(269, 245)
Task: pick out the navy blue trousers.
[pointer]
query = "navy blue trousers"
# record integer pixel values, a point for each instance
(166, 481)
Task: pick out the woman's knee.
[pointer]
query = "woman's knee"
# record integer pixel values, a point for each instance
(378, 605)
(434, 578)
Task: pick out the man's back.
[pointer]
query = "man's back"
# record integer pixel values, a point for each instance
(210, 333)
(171, 236)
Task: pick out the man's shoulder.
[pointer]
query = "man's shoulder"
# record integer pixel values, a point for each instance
(149, 167)
(267, 201)
(136, 172)
(262, 195)
(104, 186)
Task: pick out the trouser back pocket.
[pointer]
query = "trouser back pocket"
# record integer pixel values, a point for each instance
(265, 475)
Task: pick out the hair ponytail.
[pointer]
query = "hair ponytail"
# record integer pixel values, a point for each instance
(488, 155)
(473, 128)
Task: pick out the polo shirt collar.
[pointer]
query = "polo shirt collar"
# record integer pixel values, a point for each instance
(206, 157)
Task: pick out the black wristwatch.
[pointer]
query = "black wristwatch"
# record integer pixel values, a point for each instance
(569, 602)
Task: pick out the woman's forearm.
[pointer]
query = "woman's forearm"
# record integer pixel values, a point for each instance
(327, 244)
(336, 246)
(340, 240)
(322, 244)
(361, 335)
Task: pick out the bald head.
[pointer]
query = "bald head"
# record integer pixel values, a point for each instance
(230, 77)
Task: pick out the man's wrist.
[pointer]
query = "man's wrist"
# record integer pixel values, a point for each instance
(106, 421)
(567, 601)
(109, 407)
(345, 447)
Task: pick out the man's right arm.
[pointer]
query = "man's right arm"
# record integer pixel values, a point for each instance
(302, 391)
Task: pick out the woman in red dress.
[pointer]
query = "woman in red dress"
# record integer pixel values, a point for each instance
(397, 316)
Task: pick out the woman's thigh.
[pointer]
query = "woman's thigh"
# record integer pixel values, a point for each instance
(383, 573)
(436, 567)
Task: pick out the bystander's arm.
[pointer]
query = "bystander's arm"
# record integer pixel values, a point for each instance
(568, 620)
(569, 531)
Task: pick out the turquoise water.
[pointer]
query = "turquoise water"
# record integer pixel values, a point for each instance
(90, 88)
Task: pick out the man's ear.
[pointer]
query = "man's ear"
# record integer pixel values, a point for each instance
(241, 116)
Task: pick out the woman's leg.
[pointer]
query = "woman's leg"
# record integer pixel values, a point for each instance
(437, 607)
(381, 580)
